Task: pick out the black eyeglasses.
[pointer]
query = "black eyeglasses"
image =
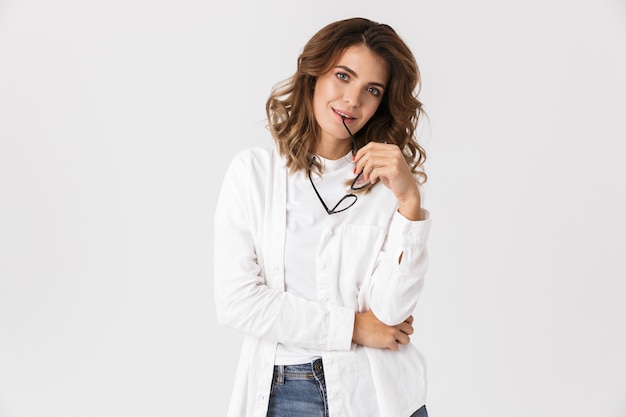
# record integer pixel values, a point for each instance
(358, 183)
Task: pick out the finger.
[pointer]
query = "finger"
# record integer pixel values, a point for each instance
(379, 166)
(371, 152)
(403, 339)
(405, 328)
(373, 171)
(409, 320)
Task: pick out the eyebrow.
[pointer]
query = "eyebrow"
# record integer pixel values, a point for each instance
(351, 71)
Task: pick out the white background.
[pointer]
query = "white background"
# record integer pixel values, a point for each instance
(117, 121)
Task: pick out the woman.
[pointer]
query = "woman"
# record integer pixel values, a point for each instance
(320, 240)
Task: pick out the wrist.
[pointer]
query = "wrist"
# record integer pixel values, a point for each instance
(411, 208)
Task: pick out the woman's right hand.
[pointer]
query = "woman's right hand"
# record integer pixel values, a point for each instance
(371, 332)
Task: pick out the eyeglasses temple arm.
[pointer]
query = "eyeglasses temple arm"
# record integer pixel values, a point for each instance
(354, 145)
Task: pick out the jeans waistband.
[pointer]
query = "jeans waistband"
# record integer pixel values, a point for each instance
(311, 370)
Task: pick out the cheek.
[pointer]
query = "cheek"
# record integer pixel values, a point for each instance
(324, 91)
(323, 94)
(371, 108)
(317, 102)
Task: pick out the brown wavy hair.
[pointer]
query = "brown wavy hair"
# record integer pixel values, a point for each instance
(289, 107)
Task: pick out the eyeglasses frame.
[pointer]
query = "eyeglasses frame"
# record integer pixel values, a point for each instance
(352, 186)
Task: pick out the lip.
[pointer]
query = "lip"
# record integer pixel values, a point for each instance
(341, 114)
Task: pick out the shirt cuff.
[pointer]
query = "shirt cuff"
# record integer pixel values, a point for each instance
(340, 328)
(405, 230)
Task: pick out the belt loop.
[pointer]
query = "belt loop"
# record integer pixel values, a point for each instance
(279, 374)
(318, 368)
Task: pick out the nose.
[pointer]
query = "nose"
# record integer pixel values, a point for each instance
(351, 95)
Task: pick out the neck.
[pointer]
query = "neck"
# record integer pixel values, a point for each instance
(333, 153)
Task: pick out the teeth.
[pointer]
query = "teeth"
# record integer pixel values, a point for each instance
(342, 114)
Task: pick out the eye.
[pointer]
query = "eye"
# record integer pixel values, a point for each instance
(342, 76)
(374, 91)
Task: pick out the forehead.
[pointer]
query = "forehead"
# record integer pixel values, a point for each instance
(366, 64)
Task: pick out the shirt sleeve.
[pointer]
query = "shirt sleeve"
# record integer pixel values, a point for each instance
(398, 277)
(244, 301)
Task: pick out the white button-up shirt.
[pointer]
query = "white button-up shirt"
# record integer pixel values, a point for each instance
(359, 269)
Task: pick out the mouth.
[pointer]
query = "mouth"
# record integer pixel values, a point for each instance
(344, 115)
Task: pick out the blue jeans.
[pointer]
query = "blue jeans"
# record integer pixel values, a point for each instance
(300, 391)
(421, 412)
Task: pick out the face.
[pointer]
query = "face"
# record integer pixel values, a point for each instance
(353, 89)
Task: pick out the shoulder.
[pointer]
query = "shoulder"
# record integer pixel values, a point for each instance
(257, 157)
(254, 167)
